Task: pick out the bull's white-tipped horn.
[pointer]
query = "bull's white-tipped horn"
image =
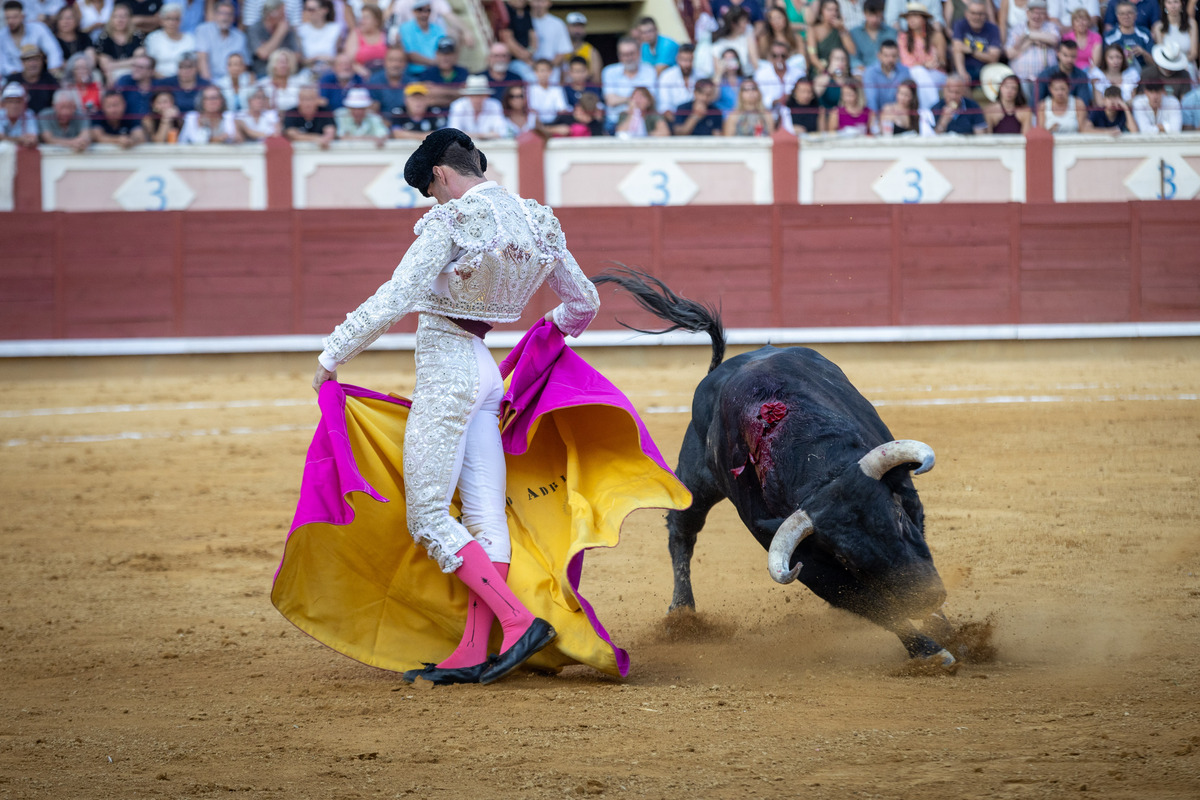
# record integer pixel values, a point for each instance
(787, 538)
(902, 451)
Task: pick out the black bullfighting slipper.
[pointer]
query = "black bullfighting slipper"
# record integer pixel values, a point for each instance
(444, 677)
(539, 634)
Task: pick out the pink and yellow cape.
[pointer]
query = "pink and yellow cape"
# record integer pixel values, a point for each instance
(578, 459)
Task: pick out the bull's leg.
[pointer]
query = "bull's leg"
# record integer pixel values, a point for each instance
(683, 526)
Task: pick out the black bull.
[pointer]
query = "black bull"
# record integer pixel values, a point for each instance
(813, 472)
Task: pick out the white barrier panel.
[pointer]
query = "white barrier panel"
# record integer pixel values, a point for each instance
(1134, 167)
(8, 174)
(361, 175)
(658, 172)
(947, 169)
(155, 177)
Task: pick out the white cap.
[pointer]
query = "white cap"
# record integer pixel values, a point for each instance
(13, 89)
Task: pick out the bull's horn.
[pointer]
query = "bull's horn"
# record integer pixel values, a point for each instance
(787, 538)
(902, 451)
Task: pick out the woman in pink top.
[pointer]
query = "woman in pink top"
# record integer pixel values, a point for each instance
(851, 117)
(1089, 40)
(367, 44)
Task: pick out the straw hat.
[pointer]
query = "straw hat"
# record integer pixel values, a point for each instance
(990, 78)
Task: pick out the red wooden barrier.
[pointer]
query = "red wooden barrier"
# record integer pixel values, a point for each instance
(221, 273)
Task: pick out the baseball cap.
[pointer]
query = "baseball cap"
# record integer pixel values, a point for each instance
(446, 45)
(415, 88)
(13, 89)
(576, 18)
(358, 97)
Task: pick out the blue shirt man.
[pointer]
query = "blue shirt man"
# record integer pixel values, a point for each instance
(976, 41)
(216, 41)
(955, 112)
(1147, 13)
(883, 78)
(420, 38)
(871, 35)
(657, 50)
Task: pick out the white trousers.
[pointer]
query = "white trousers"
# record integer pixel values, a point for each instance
(452, 441)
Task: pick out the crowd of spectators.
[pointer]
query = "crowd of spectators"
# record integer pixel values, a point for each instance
(223, 71)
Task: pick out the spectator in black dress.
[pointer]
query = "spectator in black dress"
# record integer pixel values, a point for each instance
(117, 43)
(307, 122)
(39, 84)
(70, 38)
(114, 127)
(802, 112)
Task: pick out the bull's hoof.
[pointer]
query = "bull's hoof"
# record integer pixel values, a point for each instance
(941, 662)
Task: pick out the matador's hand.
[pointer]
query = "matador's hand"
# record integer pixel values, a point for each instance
(322, 376)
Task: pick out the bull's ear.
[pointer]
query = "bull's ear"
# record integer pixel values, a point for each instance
(885, 457)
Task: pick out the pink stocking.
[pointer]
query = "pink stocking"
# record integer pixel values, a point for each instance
(473, 649)
(487, 585)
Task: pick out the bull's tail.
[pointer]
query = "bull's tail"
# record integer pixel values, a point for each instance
(657, 298)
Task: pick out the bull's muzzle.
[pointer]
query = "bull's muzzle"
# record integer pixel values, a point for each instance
(786, 540)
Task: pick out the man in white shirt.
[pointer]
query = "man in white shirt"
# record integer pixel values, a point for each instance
(1154, 110)
(553, 38)
(677, 84)
(20, 31)
(216, 41)
(476, 112)
(619, 80)
(776, 75)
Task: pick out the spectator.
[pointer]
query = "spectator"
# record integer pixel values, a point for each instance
(268, 34)
(640, 118)
(341, 79)
(117, 44)
(728, 80)
(698, 116)
(1114, 117)
(210, 122)
(545, 99)
(401, 11)
(17, 124)
(138, 86)
(1088, 42)
(828, 85)
(777, 74)
(1061, 111)
(1135, 40)
(1115, 70)
(387, 85)
(902, 115)
(586, 118)
(657, 50)
(753, 8)
(1064, 10)
(236, 84)
(164, 120)
(553, 39)
(145, 15)
(43, 11)
(254, 11)
(883, 78)
(421, 38)
(737, 34)
(676, 84)
(922, 52)
(1190, 108)
(282, 83)
(258, 121)
(852, 117)
(1009, 111)
(367, 43)
(21, 32)
(498, 74)
(1032, 45)
(871, 35)
(39, 84)
(520, 37)
(1011, 14)
(1171, 67)
(168, 43)
(518, 117)
(895, 13)
(1154, 111)
(80, 80)
(750, 116)
(63, 125)
(319, 35)
(419, 117)
(217, 40)
(477, 113)
(1081, 84)
(307, 122)
(186, 83)
(955, 112)
(113, 126)
(577, 30)
(445, 77)
(579, 83)
(803, 112)
(976, 42)
(1177, 27)
(357, 122)
(70, 39)
(94, 15)
(827, 32)
(1145, 14)
(777, 29)
(621, 79)
(853, 13)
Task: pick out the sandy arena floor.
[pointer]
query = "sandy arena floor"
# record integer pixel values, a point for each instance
(146, 502)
